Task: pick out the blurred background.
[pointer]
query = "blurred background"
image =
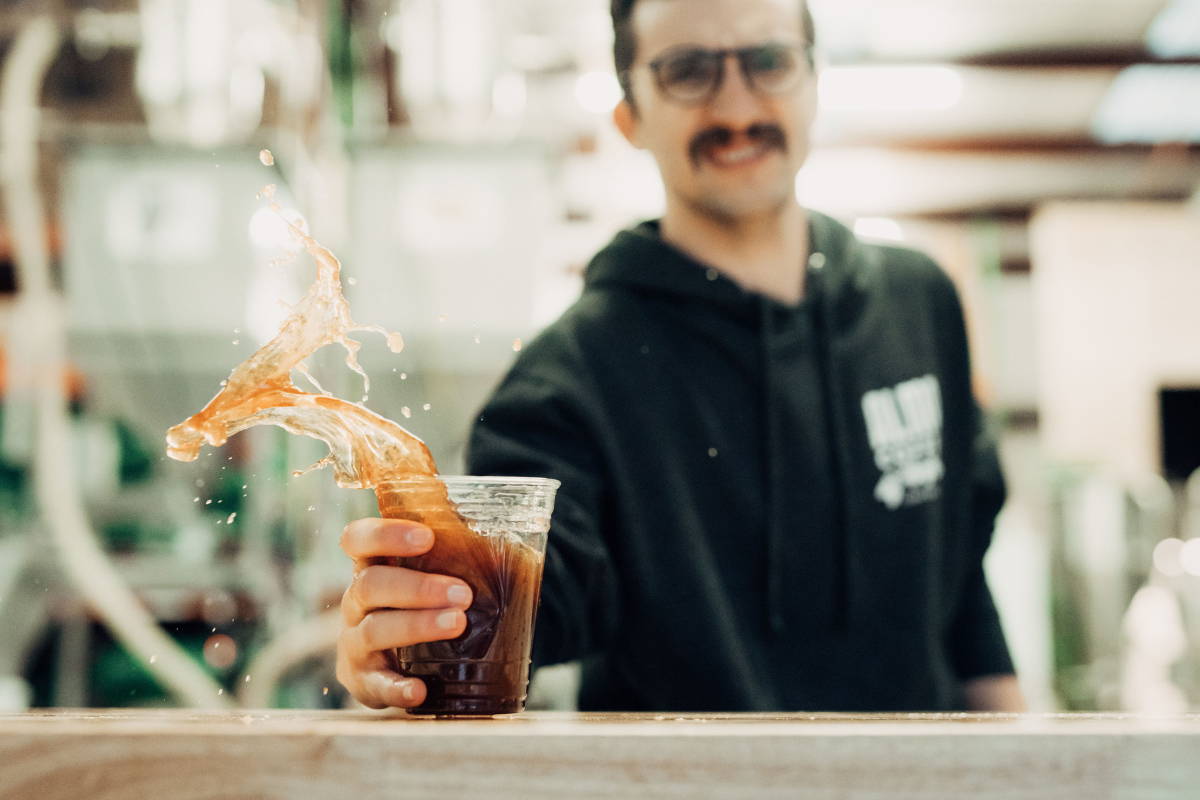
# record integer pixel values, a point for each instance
(458, 156)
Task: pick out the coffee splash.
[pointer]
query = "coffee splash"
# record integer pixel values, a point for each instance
(364, 447)
(367, 450)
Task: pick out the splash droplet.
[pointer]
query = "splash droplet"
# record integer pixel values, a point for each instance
(516, 345)
(229, 520)
(406, 412)
(266, 157)
(427, 406)
(352, 281)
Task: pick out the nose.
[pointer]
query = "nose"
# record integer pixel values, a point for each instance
(735, 105)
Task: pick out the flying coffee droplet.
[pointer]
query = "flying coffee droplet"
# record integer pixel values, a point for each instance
(266, 157)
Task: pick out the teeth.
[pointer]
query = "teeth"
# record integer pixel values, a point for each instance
(739, 155)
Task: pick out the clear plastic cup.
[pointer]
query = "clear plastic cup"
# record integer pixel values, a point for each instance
(491, 533)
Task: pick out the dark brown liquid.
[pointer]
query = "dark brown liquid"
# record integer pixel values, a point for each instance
(485, 670)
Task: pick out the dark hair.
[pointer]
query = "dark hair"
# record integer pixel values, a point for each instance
(625, 48)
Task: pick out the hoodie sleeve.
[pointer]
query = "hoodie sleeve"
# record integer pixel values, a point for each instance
(534, 427)
(976, 640)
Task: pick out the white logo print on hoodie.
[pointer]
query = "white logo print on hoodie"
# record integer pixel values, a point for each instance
(904, 426)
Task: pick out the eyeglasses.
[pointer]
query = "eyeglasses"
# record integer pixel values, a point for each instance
(693, 75)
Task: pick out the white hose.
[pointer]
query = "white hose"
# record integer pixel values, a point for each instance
(41, 310)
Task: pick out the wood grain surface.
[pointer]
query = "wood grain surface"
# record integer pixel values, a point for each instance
(183, 755)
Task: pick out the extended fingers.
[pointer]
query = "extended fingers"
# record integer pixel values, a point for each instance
(384, 587)
(386, 630)
(374, 685)
(374, 537)
(384, 689)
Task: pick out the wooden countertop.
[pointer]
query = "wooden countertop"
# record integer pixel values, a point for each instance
(181, 755)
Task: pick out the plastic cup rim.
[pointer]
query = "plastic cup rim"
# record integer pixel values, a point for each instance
(492, 480)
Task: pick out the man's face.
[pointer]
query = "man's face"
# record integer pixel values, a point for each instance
(736, 155)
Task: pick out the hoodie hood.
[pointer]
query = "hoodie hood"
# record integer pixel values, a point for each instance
(840, 269)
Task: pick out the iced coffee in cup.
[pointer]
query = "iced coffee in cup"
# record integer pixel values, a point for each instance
(491, 533)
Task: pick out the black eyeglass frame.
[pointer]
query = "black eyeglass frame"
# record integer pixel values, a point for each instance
(804, 52)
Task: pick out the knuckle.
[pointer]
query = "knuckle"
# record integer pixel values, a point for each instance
(364, 585)
(347, 647)
(369, 632)
(431, 588)
(348, 602)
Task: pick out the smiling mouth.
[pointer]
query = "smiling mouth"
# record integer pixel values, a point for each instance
(724, 148)
(737, 156)
(742, 155)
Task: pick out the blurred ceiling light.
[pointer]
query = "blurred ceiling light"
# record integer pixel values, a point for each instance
(447, 62)
(466, 51)
(1189, 557)
(1175, 32)
(883, 228)
(893, 88)
(1166, 557)
(193, 85)
(1149, 104)
(597, 92)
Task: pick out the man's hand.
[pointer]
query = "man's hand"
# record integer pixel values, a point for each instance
(387, 607)
(994, 693)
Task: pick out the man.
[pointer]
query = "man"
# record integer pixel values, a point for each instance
(776, 493)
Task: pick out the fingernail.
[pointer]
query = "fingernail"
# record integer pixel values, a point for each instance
(458, 594)
(419, 537)
(447, 620)
(407, 690)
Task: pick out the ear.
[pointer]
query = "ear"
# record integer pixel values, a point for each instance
(625, 118)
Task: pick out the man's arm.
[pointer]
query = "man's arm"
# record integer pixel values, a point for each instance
(538, 427)
(974, 637)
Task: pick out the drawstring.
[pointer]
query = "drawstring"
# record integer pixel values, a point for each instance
(774, 594)
(839, 454)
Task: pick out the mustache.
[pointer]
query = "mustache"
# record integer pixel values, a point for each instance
(765, 133)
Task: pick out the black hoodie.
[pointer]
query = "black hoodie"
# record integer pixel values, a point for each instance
(763, 507)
